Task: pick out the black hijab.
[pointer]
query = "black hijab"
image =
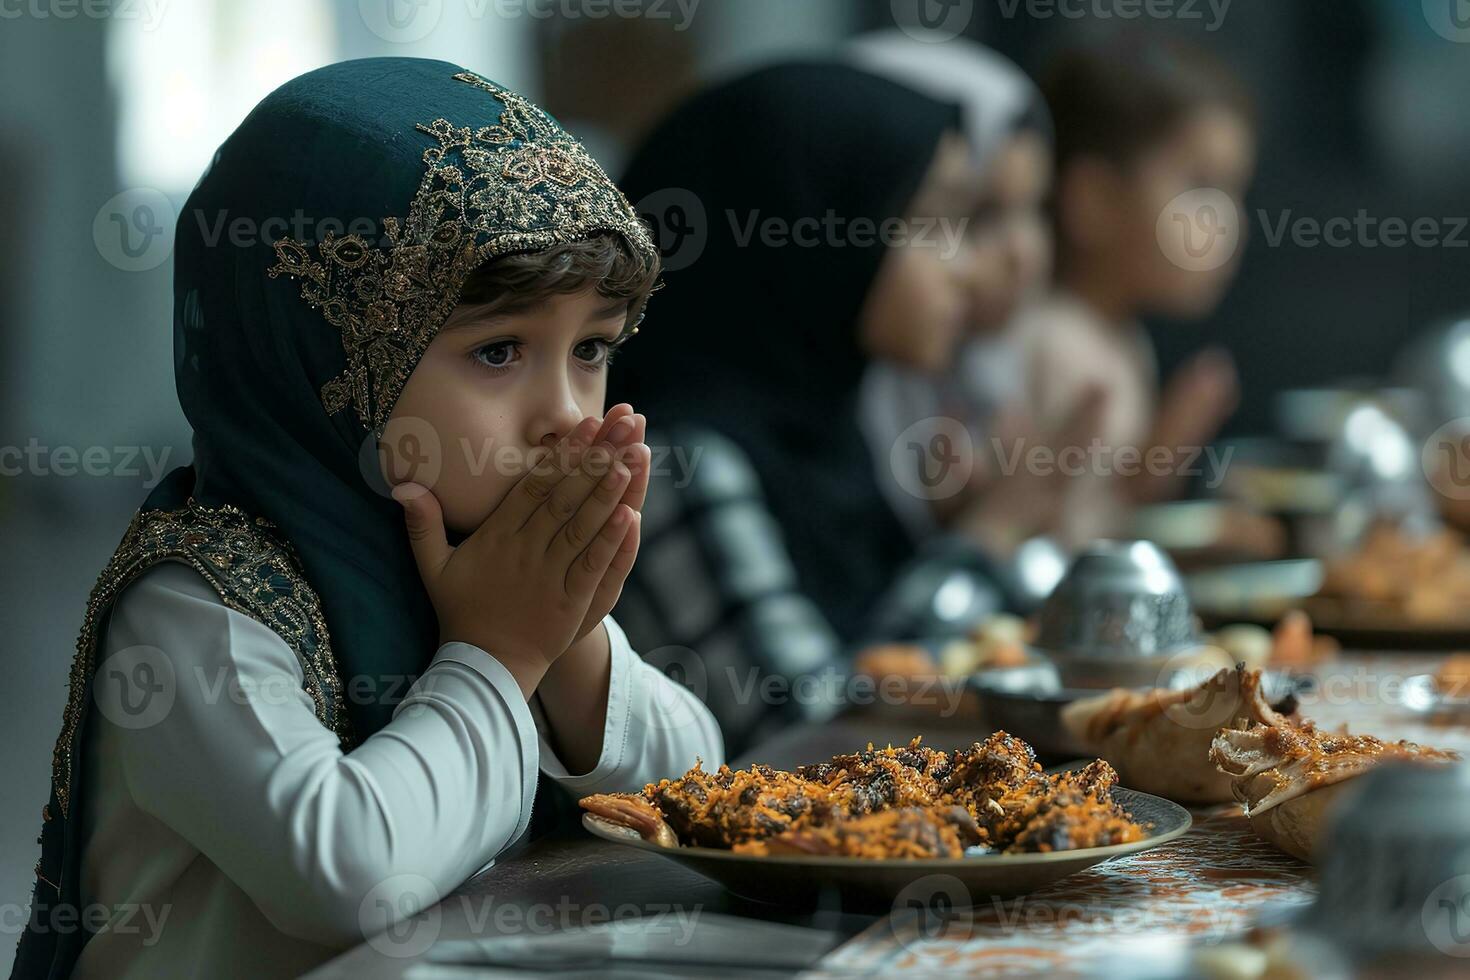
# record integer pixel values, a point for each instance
(758, 340)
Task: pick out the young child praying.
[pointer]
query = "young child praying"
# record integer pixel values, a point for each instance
(317, 681)
(1142, 123)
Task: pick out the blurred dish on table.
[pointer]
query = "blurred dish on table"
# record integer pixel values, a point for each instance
(1396, 589)
(1203, 533)
(1443, 697)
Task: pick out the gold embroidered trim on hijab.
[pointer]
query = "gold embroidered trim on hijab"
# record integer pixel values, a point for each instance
(254, 571)
(521, 185)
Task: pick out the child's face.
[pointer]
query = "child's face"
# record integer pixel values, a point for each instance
(1214, 148)
(490, 389)
(918, 307)
(1008, 238)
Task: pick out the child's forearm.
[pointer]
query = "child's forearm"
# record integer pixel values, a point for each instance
(574, 699)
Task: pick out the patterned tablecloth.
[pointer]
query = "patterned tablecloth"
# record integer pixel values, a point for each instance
(1210, 884)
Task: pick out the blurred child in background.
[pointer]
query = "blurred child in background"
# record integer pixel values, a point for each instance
(1139, 123)
(1007, 257)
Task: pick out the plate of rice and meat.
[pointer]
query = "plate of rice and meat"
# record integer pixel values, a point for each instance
(868, 825)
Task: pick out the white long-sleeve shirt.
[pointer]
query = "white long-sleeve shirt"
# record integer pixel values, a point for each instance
(226, 834)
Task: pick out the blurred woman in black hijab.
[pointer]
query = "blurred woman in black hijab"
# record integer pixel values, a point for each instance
(810, 216)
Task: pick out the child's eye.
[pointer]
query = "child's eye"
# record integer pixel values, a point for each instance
(500, 354)
(594, 352)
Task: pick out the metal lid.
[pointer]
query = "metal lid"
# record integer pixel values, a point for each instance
(1396, 862)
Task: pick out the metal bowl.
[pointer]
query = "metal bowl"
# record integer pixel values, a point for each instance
(1254, 591)
(1396, 864)
(1028, 702)
(1119, 617)
(1437, 363)
(1321, 414)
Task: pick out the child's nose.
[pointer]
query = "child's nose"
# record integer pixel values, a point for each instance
(557, 415)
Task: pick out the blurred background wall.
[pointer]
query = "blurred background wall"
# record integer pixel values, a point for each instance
(111, 110)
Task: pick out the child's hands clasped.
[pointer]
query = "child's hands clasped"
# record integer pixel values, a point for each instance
(550, 561)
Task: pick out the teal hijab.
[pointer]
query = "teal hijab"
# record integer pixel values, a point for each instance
(314, 262)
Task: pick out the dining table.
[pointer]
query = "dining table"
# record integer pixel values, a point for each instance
(1210, 885)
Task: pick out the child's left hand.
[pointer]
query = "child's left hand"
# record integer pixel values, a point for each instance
(635, 455)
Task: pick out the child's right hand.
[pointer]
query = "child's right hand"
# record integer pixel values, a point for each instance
(520, 586)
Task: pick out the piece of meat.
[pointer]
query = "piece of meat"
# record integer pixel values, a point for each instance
(1075, 810)
(629, 810)
(905, 833)
(728, 807)
(989, 777)
(877, 779)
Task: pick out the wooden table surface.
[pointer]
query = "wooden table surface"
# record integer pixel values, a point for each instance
(1208, 884)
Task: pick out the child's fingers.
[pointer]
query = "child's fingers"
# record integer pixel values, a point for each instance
(425, 521)
(639, 460)
(567, 497)
(588, 569)
(610, 589)
(535, 488)
(614, 415)
(620, 432)
(622, 563)
(578, 532)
